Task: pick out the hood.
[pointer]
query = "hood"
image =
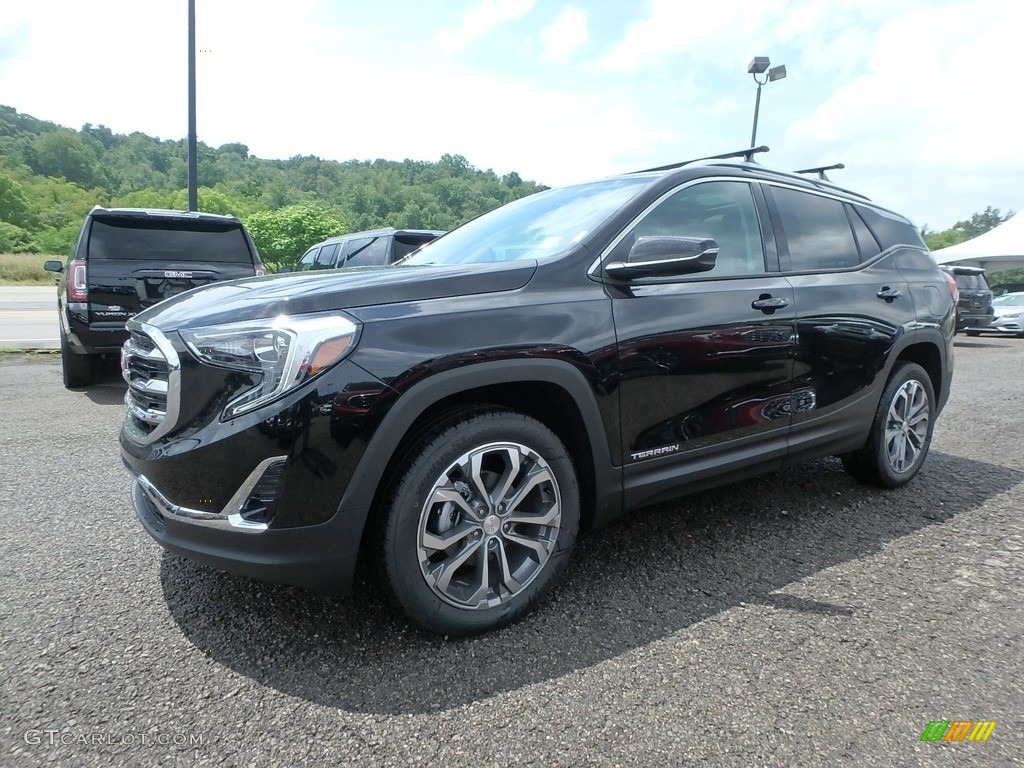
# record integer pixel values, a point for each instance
(1007, 309)
(304, 292)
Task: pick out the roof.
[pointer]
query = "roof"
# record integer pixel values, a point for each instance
(381, 232)
(159, 213)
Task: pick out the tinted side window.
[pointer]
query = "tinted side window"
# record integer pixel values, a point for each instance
(869, 246)
(374, 252)
(890, 229)
(325, 259)
(816, 230)
(306, 262)
(723, 210)
(406, 244)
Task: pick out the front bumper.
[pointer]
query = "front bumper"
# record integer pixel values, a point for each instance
(307, 557)
(261, 495)
(1005, 325)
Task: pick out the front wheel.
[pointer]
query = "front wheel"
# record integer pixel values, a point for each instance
(479, 523)
(900, 433)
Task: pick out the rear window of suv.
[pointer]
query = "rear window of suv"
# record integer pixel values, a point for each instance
(168, 241)
(971, 283)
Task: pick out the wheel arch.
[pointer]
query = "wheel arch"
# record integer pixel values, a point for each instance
(550, 391)
(927, 354)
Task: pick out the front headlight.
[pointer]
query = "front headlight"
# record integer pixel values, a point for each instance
(283, 352)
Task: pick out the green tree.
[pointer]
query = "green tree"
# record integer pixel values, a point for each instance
(14, 205)
(282, 236)
(14, 239)
(63, 153)
(978, 224)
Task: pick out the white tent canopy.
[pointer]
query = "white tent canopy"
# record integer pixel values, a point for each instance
(998, 249)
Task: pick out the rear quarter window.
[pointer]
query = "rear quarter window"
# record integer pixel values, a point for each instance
(167, 241)
(816, 231)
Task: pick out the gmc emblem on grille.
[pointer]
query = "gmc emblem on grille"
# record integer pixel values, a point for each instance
(170, 273)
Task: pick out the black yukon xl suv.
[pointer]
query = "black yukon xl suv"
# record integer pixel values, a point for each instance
(127, 259)
(458, 418)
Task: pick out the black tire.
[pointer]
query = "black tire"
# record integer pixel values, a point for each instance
(79, 370)
(901, 431)
(441, 543)
(973, 333)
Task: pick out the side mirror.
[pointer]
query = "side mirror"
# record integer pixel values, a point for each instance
(666, 256)
(52, 265)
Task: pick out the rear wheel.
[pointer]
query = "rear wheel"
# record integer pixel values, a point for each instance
(900, 433)
(480, 522)
(78, 370)
(973, 333)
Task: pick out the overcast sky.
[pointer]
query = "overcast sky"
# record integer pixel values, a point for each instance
(920, 99)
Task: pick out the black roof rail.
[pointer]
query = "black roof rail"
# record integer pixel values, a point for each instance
(746, 154)
(820, 170)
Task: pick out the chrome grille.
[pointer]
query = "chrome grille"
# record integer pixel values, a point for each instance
(150, 366)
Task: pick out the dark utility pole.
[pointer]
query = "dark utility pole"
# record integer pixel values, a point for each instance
(193, 204)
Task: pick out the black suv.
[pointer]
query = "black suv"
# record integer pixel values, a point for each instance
(372, 248)
(458, 418)
(974, 307)
(127, 259)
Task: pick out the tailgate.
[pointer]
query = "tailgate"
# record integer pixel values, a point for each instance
(119, 290)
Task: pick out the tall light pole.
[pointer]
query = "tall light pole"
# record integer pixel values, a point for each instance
(193, 203)
(757, 66)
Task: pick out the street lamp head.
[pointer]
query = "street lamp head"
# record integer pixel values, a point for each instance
(777, 73)
(758, 64)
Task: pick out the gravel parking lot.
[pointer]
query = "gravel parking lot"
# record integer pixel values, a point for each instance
(795, 620)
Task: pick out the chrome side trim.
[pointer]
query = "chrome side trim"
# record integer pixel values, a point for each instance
(229, 518)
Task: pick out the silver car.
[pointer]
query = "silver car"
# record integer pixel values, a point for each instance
(1009, 315)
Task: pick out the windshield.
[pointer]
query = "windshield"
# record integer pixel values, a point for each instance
(1010, 300)
(534, 227)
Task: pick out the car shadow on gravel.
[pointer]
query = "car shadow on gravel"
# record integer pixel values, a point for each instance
(108, 387)
(651, 574)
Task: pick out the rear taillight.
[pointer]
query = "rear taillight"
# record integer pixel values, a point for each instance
(951, 283)
(78, 286)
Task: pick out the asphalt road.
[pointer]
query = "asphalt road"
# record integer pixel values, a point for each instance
(796, 620)
(28, 317)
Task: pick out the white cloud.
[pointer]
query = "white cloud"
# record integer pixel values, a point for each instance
(918, 97)
(481, 19)
(564, 35)
(696, 29)
(932, 113)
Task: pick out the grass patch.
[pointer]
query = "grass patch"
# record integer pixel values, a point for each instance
(25, 269)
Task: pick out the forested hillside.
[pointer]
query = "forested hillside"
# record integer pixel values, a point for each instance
(51, 176)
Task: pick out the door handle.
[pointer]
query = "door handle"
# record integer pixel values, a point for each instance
(889, 294)
(768, 304)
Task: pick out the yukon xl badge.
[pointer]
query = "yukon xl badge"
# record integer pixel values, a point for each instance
(170, 273)
(665, 449)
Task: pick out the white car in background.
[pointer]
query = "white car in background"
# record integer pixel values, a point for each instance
(1009, 315)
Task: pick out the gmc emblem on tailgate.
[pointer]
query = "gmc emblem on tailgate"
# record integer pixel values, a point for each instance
(170, 273)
